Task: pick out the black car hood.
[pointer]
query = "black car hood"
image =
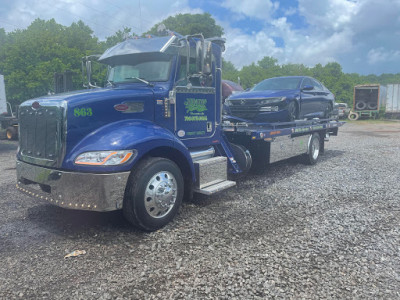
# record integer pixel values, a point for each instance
(263, 94)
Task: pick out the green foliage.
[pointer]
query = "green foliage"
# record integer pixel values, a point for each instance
(187, 24)
(29, 58)
(118, 37)
(331, 75)
(229, 71)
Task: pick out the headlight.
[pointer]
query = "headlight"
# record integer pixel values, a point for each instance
(228, 102)
(272, 100)
(105, 158)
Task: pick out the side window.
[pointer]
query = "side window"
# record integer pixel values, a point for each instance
(196, 79)
(317, 85)
(183, 78)
(307, 81)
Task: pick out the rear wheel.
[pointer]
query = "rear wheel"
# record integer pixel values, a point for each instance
(11, 133)
(313, 152)
(154, 193)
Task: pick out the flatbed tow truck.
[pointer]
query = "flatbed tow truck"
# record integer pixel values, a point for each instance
(154, 135)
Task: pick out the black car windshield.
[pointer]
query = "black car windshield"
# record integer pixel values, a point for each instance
(154, 70)
(278, 84)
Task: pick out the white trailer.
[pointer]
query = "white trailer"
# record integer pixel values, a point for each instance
(393, 99)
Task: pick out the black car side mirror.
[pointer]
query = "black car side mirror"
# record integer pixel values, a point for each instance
(307, 88)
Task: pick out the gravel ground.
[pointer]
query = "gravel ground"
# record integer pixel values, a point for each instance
(296, 231)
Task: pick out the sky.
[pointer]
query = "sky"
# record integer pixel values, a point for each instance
(363, 36)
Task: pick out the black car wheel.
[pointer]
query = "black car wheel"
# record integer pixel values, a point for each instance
(293, 112)
(329, 111)
(154, 193)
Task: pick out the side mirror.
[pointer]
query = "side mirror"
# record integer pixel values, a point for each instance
(203, 57)
(207, 61)
(307, 88)
(199, 56)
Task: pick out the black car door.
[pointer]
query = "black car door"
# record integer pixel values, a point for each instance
(309, 98)
(322, 98)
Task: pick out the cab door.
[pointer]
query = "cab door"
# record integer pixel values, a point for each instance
(195, 116)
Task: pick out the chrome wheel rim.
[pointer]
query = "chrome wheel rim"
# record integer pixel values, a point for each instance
(315, 149)
(160, 194)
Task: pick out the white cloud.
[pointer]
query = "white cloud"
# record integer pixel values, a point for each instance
(329, 14)
(380, 55)
(243, 49)
(104, 17)
(290, 11)
(358, 33)
(260, 9)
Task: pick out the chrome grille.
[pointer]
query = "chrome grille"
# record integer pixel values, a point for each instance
(41, 135)
(246, 109)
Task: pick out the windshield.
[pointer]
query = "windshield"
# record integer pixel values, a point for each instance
(155, 70)
(278, 84)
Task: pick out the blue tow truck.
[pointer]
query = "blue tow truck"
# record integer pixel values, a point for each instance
(154, 135)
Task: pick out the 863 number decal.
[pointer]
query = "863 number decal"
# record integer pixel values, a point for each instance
(83, 112)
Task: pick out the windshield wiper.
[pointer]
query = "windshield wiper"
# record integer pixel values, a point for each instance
(142, 80)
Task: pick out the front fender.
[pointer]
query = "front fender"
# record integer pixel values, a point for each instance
(141, 135)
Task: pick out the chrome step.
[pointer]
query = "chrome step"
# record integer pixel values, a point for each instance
(215, 188)
(209, 171)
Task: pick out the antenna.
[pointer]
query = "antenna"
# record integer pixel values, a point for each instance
(140, 15)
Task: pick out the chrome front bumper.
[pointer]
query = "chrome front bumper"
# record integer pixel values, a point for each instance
(84, 191)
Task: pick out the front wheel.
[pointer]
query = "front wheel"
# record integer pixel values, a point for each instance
(154, 193)
(313, 151)
(293, 112)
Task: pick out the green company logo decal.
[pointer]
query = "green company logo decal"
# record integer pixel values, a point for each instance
(83, 112)
(195, 108)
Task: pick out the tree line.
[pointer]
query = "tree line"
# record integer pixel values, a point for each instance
(30, 57)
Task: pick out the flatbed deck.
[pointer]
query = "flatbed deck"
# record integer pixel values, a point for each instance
(267, 131)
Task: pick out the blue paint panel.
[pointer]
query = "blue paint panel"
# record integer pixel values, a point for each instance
(141, 135)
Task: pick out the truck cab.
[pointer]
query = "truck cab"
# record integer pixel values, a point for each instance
(133, 144)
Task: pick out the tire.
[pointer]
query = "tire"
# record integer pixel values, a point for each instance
(11, 133)
(313, 151)
(293, 112)
(242, 157)
(353, 116)
(361, 105)
(154, 193)
(372, 106)
(329, 111)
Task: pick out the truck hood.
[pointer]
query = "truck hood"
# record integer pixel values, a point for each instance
(83, 97)
(83, 112)
(263, 94)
